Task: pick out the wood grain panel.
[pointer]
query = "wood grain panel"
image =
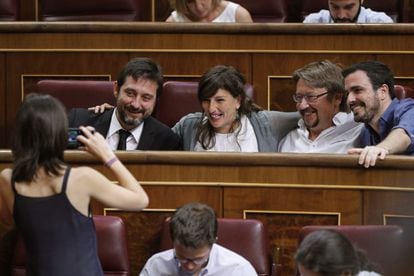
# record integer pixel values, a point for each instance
(284, 229)
(3, 93)
(272, 73)
(55, 64)
(285, 191)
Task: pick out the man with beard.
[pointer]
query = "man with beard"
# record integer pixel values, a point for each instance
(130, 126)
(389, 122)
(325, 126)
(347, 11)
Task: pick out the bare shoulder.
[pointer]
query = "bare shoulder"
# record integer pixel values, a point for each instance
(5, 176)
(81, 175)
(243, 15)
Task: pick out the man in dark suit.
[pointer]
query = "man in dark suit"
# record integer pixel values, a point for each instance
(130, 126)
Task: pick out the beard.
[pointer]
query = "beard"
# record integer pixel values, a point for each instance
(310, 123)
(347, 20)
(368, 113)
(127, 120)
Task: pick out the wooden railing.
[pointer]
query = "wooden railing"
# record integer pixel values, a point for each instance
(285, 191)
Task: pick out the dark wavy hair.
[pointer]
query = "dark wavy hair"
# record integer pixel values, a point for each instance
(231, 80)
(142, 68)
(378, 74)
(194, 225)
(40, 137)
(330, 253)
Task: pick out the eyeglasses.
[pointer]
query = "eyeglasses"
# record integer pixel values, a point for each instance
(198, 261)
(308, 98)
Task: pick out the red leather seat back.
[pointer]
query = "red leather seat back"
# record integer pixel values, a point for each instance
(393, 8)
(382, 243)
(246, 237)
(402, 92)
(78, 93)
(9, 10)
(112, 248)
(94, 10)
(266, 10)
(178, 99)
(311, 6)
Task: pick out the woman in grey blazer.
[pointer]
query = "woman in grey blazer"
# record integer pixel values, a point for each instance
(230, 120)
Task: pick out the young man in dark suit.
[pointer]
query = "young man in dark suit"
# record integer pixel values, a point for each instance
(130, 126)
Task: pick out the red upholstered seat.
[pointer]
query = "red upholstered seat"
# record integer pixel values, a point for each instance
(78, 93)
(112, 248)
(382, 243)
(311, 6)
(266, 10)
(402, 92)
(246, 237)
(95, 10)
(9, 10)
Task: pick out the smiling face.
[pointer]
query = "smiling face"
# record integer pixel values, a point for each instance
(135, 101)
(317, 115)
(221, 110)
(362, 98)
(344, 11)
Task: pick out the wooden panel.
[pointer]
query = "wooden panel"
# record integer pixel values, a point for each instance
(3, 93)
(146, 225)
(285, 191)
(284, 229)
(285, 211)
(53, 65)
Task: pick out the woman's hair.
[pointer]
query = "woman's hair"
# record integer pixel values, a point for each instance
(329, 253)
(40, 137)
(231, 80)
(181, 6)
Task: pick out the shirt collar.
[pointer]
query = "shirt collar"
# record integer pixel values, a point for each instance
(115, 125)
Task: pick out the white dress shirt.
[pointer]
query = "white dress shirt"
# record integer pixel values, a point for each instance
(112, 137)
(227, 16)
(245, 141)
(365, 16)
(338, 138)
(222, 261)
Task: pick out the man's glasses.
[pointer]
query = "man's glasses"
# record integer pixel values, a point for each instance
(308, 98)
(198, 261)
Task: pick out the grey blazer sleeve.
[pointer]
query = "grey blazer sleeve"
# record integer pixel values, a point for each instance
(282, 122)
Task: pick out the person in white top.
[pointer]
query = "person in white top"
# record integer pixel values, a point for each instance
(325, 126)
(347, 11)
(217, 11)
(193, 230)
(230, 120)
(327, 253)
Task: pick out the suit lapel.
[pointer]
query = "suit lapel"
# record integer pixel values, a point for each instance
(103, 123)
(147, 136)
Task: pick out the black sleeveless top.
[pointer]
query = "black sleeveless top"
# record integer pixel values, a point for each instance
(59, 240)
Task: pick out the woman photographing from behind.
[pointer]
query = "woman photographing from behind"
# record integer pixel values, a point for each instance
(50, 201)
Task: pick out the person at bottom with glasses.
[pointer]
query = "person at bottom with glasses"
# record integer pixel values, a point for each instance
(193, 230)
(325, 126)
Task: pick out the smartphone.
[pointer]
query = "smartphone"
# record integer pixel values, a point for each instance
(72, 134)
